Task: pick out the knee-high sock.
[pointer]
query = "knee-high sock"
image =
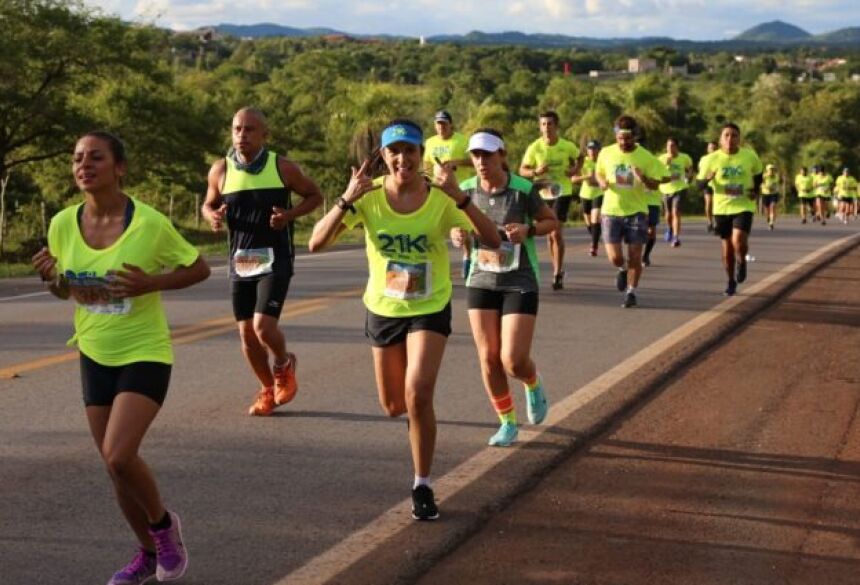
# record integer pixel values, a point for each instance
(649, 245)
(595, 234)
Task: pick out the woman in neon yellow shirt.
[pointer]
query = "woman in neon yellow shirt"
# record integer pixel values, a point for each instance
(108, 254)
(407, 221)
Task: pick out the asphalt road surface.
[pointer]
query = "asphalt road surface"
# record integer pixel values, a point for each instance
(318, 492)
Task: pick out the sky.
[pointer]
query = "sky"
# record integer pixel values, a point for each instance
(680, 19)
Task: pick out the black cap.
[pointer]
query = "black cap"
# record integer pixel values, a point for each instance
(593, 144)
(442, 116)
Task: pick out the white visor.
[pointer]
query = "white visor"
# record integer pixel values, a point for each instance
(486, 142)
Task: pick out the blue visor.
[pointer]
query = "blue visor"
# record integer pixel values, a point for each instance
(401, 133)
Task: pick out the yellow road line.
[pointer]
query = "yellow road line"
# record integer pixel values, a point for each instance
(183, 335)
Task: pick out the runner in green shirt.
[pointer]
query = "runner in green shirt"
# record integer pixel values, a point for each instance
(449, 146)
(845, 190)
(407, 222)
(590, 194)
(680, 167)
(502, 289)
(823, 185)
(550, 162)
(770, 193)
(113, 255)
(805, 193)
(626, 171)
(736, 175)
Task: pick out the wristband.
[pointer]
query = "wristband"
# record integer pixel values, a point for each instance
(344, 204)
(465, 202)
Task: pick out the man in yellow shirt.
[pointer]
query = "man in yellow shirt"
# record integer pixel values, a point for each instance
(680, 167)
(449, 146)
(770, 193)
(805, 193)
(846, 189)
(626, 171)
(550, 162)
(823, 185)
(736, 173)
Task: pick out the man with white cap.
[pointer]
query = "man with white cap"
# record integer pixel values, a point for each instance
(770, 193)
(449, 147)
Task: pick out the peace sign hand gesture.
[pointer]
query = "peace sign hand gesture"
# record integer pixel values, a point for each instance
(360, 183)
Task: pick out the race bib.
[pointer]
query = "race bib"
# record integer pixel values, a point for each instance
(253, 262)
(624, 178)
(732, 190)
(92, 294)
(407, 281)
(549, 190)
(506, 258)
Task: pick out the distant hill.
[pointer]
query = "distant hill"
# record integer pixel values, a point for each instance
(269, 29)
(842, 36)
(774, 32)
(763, 36)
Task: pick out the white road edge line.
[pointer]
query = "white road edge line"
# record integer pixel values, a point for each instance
(328, 564)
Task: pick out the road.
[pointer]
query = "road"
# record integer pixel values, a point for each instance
(318, 491)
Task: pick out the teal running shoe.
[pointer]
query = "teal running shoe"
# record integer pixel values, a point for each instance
(505, 436)
(536, 403)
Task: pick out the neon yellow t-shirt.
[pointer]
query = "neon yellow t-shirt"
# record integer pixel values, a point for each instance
(846, 187)
(770, 184)
(587, 190)
(559, 158)
(455, 148)
(733, 179)
(803, 184)
(108, 330)
(702, 163)
(625, 194)
(679, 169)
(407, 253)
(823, 185)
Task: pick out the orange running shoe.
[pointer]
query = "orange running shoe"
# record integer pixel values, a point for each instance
(264, 404)
(286, 385)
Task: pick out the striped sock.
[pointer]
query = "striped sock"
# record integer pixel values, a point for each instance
(504, 407)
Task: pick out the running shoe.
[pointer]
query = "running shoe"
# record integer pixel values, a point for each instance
(741, 272)
(629, 300)
(731, 289)
(667, 235)
(646, 261)
(710, 228)
(467, 266)
(557, 283)
(770, 226)
(823, 222)
(803, 220)
(536, 403)
(592, 251)
(139, 570)
(264, 404)
(676, 242)
(423, 503)
(286, 385)
(172, 559)
(621, 280)
(505, 436)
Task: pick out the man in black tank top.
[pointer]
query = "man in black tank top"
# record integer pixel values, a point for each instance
(250, 190)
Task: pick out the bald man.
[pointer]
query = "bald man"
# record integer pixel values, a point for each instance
(251, 190)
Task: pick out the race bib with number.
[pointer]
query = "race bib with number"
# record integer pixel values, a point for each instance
(91, 293)
(549, 190)
(734, 190)
(407, 281)
(624, 178)
(506, 258)
(253, 262)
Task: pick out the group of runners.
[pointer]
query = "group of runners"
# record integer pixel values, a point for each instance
(113, 255)
(819, 193)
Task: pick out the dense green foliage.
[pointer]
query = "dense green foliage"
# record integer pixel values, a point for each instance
(171, 96)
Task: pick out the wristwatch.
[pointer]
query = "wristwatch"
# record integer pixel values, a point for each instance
(344, 204)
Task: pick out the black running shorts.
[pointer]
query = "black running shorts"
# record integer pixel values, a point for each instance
(265, 296)
(101, 384)
(505, 302)
(384, 331)
(724, 224)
